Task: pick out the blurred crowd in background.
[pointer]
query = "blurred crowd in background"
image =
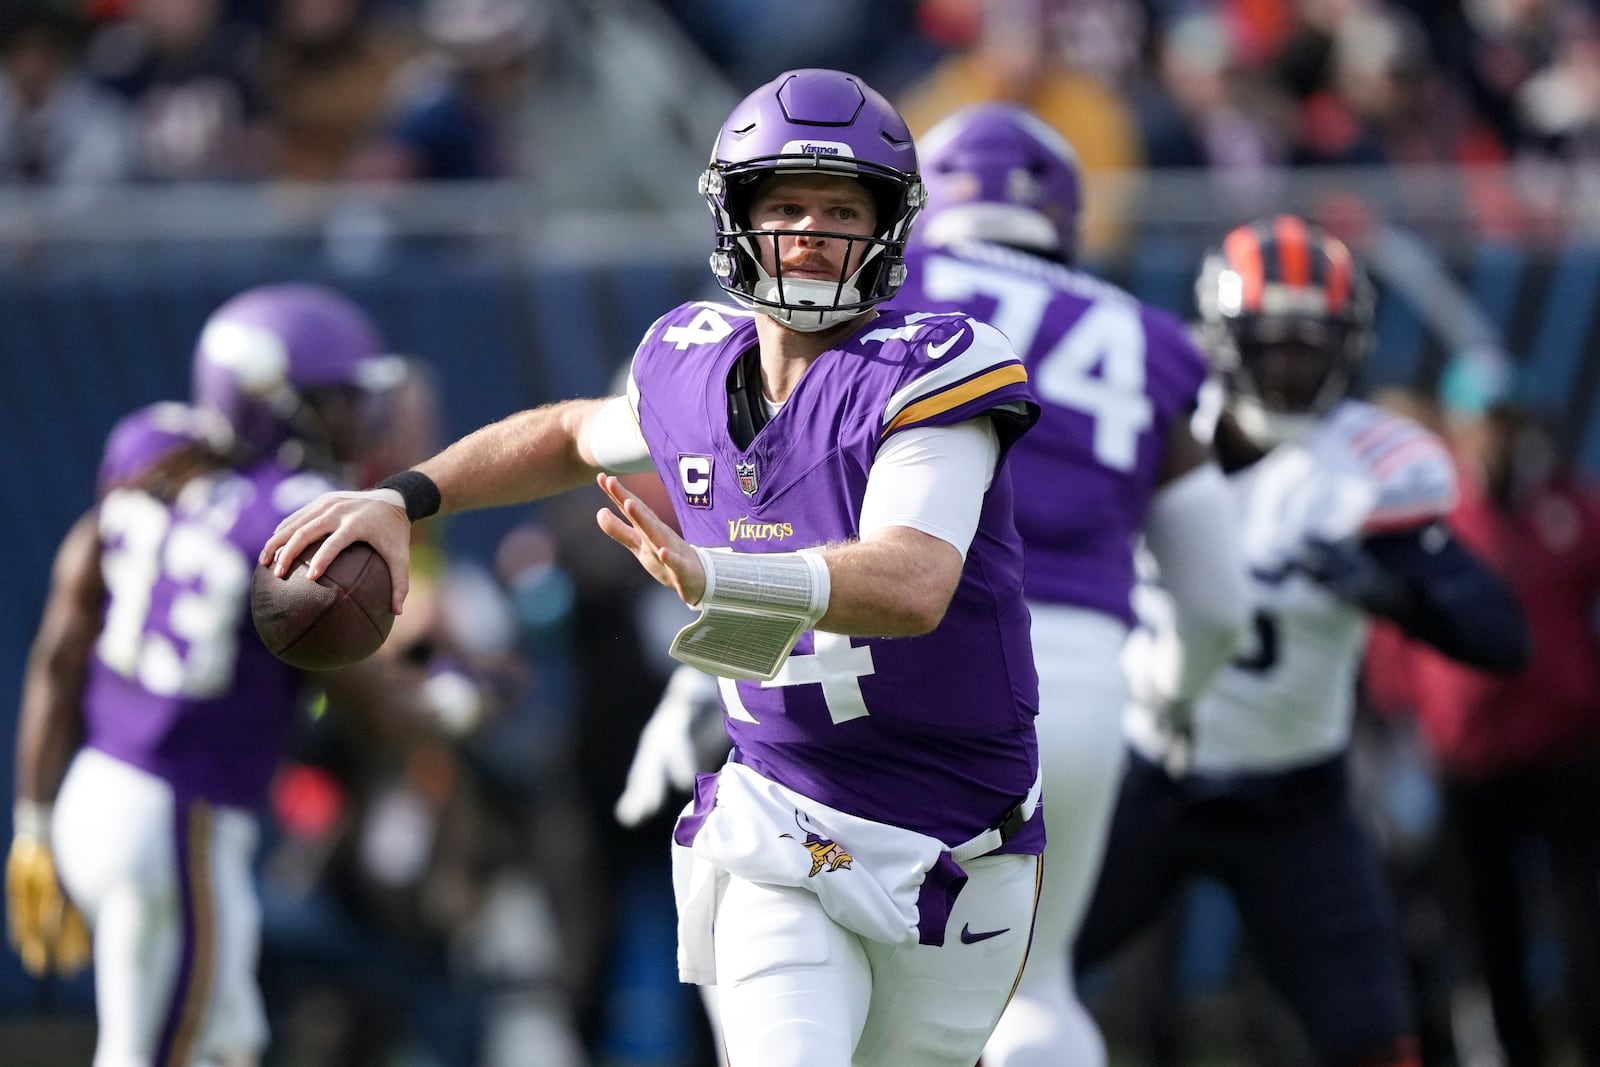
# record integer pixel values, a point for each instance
(474, 902)
(316, 90)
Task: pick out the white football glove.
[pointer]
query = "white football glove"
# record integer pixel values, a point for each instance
(670, 750)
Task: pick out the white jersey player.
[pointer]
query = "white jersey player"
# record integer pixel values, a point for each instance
(1288, 697)
(1339, 506)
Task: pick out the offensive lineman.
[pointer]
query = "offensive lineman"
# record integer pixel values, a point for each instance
(1112, 458)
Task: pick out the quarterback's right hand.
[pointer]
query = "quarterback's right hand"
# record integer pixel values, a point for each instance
(44, 927)
(373, 516)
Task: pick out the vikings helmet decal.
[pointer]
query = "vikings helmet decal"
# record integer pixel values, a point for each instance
(812, 121)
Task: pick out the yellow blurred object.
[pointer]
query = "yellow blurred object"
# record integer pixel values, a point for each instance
(1017, 56)
(44, 927)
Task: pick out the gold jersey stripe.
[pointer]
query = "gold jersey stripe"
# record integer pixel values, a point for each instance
(1010, 374)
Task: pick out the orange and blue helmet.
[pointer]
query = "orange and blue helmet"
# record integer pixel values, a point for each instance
(1286, 318)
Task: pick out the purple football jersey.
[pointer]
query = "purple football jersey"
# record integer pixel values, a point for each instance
(1111, 374)
(179, 684)
(932, 733)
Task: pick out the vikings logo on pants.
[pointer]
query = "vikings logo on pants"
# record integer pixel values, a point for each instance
(824, 852)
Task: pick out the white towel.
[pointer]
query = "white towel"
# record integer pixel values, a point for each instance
(869, 876)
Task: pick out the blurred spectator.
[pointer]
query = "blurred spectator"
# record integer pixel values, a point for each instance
(1016, 54)
(325, 74)
(1384, 100)
(1372, 59)
(1201, 107)
(1518, 758)
(56, 126)
(187, 71)
(1559, 105)
(455, 109)
(1496, 46)
(879, 41)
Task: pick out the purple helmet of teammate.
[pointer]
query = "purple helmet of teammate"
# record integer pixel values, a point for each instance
(999, 173)
(289, 362)
(144, 437)
(812, 121)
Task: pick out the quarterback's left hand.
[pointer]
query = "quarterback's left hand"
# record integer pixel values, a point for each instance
(43, 925)
(668, 558)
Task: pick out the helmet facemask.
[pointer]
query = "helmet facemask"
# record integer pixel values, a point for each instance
(812, 121)
(873, 265)
(1286, 374)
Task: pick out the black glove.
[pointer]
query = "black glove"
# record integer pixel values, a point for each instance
(1349, 572)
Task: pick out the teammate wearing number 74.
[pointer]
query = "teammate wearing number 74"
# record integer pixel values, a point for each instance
(859, 880)
(1112, 462)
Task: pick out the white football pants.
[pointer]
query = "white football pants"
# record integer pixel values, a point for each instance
(1082, 693)
(167, 891)
(796, 989)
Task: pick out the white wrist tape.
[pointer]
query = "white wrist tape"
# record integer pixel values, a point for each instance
(754, 609)
(31, 818)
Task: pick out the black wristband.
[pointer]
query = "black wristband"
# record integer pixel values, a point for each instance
(417, 490)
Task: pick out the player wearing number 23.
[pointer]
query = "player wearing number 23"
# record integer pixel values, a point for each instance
(858, 881)
(153, 717)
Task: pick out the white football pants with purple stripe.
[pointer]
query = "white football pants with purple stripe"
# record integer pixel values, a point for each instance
(167, 890)
(1082, 693)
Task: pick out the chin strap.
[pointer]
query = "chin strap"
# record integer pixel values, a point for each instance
(808, 306)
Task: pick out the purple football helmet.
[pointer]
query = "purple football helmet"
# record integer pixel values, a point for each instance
(275, 361)
(143, 437)
(999, 173)
(822, 121)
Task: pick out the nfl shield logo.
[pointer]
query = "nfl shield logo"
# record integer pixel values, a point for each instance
(747, 478)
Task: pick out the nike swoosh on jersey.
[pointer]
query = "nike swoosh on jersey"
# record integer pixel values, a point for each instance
(939, 350)
(970, 938)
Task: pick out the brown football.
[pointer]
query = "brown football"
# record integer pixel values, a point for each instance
(339, 619)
